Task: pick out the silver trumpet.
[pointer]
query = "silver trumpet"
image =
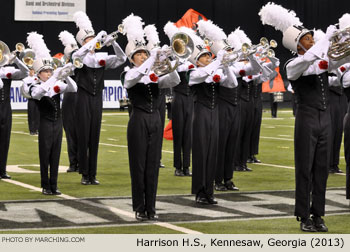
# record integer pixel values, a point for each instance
(181, 47)
(114, 34)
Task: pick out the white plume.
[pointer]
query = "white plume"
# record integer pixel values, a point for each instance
(37, 43)
(210, 30)
(242, 36)
(170, 29)
(318, 34)
(196, 39)
(278, 17)
(67, 38)
(344, 21)
(133, 28)
(234, 41)
(152, 34)
(82, 21)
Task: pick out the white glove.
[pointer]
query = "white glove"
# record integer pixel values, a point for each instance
(154, 52)
(330, 31)
(1, 84)
(108, 40)
(101, 35)
(221, 55)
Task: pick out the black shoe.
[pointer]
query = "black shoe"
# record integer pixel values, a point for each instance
(337, 170)
(85, 181)
(307, 226)
(179, 172)
(239, 168)
(141, 216)
(5, 176)
(250, 160)
(211, 200)
(56, 192)
(231, 186)
(72, 168)
(202, 200)
(246, 168)
(220, 187)
(161, 165)
(153, 217)
(94, 181)
(187, 172)
(319, 224)
(255, 160)
(47, 191)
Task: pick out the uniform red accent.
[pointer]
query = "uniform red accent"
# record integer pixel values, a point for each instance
(250, 77)
(242, 72)
(342, 69)
(190, 66)
(9, 75)
(216, 78)
(102, 62)
(323, 65)
(153, 77)
(56, 89)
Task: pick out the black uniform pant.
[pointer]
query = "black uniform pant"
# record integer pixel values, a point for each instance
(182, 116)
(50, 140)
(69, 125)
(337, 105)
(88, 118)
(5, 133)
(144, 130)
(33, 116)
(204, 148)
(257, 118)
(161, 109)
(273, 105)
(229, 122)
(347, 150)
(246, 126)
(312, 138)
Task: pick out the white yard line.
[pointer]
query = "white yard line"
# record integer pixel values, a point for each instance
(112, 209)
(278, 138)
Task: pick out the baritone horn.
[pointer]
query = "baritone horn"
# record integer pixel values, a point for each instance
(114, 34)
(181, 47)
(340, 45)
(5, 54)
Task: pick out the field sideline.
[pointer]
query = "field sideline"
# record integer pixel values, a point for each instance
(272, 182)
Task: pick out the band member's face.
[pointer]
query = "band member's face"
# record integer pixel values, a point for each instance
(307, 41)
(204, 60)
(44, 75)
(139, 57)
(31, 72)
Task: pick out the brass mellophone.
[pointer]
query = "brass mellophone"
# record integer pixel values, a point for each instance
(340, 45)
(7, 57)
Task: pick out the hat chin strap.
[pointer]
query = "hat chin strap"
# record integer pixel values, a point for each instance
(302, 47)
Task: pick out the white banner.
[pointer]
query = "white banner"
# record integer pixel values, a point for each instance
(112, 93)
(49, 10)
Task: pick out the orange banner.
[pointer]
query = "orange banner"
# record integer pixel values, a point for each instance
(168, 131)
(274, 85)
(190, 18)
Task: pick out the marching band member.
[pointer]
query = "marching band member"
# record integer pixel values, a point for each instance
(7, 74)
(182, 113)
(45, 88)
(90, 80)
(345, 82)
(68, 104)
(308, 74)
(144, 127)
(228, 111)
(204, 82)
(243, 97)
